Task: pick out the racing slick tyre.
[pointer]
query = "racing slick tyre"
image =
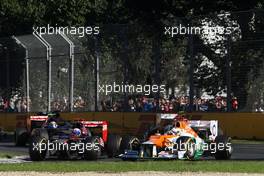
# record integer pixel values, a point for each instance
(92, 148)
(21, 137)
(40, 132)
(187, 144)
(38, 148)
(129, 143)
(113, 145)
(226, 151)
(69, 154)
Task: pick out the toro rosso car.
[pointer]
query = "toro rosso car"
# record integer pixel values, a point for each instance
(180, 139)
(79, 139)
(26, 124)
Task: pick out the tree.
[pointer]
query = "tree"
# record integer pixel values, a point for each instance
(139, 28)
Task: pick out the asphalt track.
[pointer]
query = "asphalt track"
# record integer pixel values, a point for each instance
(240, 152)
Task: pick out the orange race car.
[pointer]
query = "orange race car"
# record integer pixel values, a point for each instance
(181, 139)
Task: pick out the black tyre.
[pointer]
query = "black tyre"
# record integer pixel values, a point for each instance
(187, 144)
(69, 154)
(40, 132)
(223, 153)
(21, 138)
(113, 145)
(38, 148)
(129, 143)
(92, 148)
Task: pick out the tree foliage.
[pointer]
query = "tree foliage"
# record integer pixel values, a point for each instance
(131, 29)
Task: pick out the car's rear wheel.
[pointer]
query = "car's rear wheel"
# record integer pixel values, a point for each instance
(41, 132)
(225, 152)
(38, 148)
(21, 137)
(92, 148)
(113, 145)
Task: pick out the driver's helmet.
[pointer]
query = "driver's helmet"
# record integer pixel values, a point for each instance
(52, 125)
(76, 132)
(178, 119)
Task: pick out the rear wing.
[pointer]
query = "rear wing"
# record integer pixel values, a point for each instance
(95, 124)
(37, 121)
(207, 124)
(38, 118)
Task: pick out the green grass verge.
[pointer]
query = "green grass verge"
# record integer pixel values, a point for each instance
(9, 154)
(110, 166)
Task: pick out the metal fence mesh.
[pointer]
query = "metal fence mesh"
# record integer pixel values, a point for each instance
(60, 83)
(83, 82)
(200, 72)
(38, 76)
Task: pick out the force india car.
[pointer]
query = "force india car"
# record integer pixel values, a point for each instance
(61, 139)
(181, 139)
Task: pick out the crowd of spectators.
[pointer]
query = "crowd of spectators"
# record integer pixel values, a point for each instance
(19, 104)
(63, 104)
(258, 106)
(172, 104)
(133, 104)
(14, 104)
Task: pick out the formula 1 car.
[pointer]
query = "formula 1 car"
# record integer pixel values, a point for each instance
(25, 125)
(182, 139)
(61, 139)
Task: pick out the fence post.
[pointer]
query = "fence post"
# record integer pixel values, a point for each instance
(71, 90)
(48, 47)
(72, 78)
(27, 82)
